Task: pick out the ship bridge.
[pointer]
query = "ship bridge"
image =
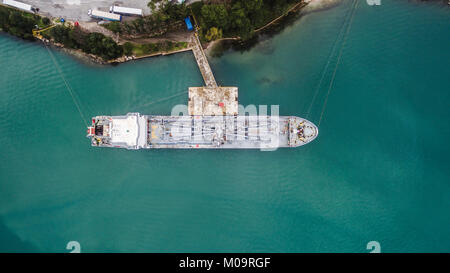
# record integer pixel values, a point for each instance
(128, 131)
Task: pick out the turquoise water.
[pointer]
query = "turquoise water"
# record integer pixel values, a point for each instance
(377, 172)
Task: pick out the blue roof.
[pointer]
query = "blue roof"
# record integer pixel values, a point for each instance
(188, 23)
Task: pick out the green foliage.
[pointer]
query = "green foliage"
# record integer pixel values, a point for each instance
(213, 34)
(152, 48)
(18, 23)
(60, 34)
(94, 43)
(128, 48)
(215, 15)
(173, 11)
(46, 21)
(168, 17)
(240, 22)
(238, 17)
(153, 4)
(114, 27)
(21, 24)
(100, 45)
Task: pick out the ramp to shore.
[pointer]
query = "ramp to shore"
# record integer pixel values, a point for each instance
(210, 100)
(202, 62)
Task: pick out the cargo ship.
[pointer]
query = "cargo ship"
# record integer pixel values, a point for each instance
(135, 131)
(212, 122)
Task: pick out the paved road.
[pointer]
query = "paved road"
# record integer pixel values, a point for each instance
(76, 10)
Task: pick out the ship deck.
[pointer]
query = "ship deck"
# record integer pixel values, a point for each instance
(217, 131)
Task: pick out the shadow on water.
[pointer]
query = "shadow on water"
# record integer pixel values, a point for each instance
(242, 46)
(11, 243)
(263, 35)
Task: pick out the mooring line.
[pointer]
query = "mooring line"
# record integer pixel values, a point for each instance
(163, 99)
(324, 72)
(69, 89)
(337, 63)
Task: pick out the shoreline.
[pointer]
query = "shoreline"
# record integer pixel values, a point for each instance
(293, 12)
(272, 28)
(91, 58)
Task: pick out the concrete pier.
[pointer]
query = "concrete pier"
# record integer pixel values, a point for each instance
(210, 100)
(202, 62)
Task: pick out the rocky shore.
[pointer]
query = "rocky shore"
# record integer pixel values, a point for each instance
(218, 46)
(311, 6)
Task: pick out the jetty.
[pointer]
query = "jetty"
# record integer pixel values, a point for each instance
(213, 122)
(211, 99)
(202, 62)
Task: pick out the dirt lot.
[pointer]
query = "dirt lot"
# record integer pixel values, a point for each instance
(76, 10)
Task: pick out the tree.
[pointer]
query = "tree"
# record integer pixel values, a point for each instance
(128, 48)
(100, 45)
(253, 5)
(77, 36)
(240, 22)
(114, 27)
(60, 34)
(4, 15)
(254, 11)
(213, 34)
(46, 21)
(215, 16)
(20, 25)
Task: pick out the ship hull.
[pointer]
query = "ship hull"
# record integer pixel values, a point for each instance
(135, 131)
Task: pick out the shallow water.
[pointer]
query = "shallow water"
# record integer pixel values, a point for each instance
(378, 170)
